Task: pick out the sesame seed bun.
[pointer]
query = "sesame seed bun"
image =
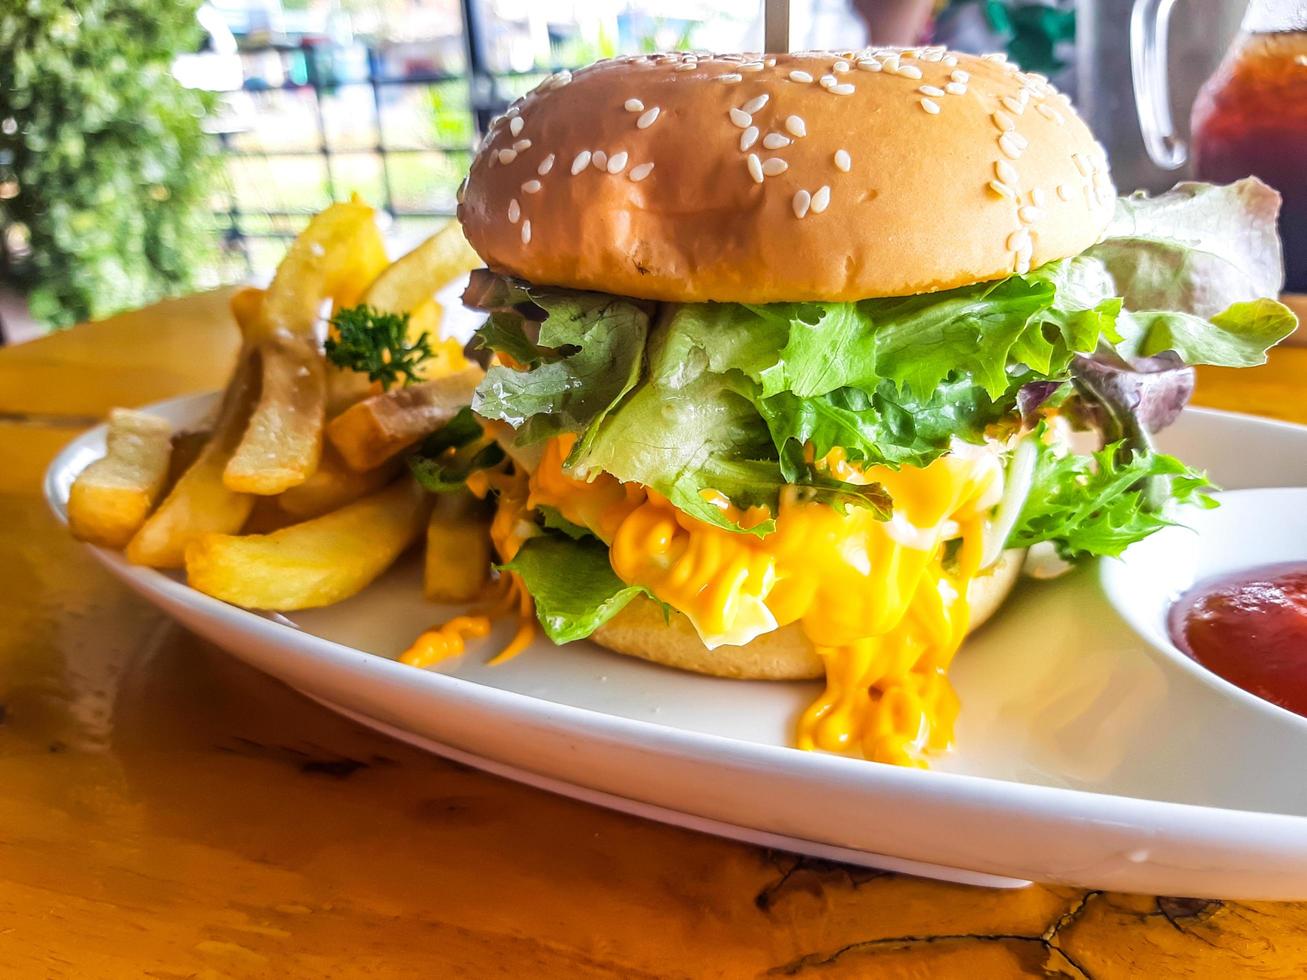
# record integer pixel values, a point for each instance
(639, 630)
(813, 176)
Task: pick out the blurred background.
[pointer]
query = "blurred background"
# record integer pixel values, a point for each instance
(153, 147)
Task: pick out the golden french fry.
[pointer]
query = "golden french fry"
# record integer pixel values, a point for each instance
(335, 257)
(414, 278)
(186, 447)
(283, 441)
(379, 427)
(246, 308)
(112, 497)
(315, 563)
(458, 558)
(200, 501)
(333, 485)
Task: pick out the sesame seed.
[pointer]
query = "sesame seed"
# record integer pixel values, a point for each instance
(1007, 173)
(511, 111)
(732, 76)
(841, 66)
(580, 162)
(507, 156)
(526, 231)
(959, 75)
(1029, 214)
(821, 199)
(521, 146)
(1017, 239)
(843, 161)
(1064, 192)
(845, 89)
(546, 165)
(514, 211)
(774, 141)
(1015, 106)
(1003, 121)
(754, 104)
(633, 105)
(755, 168)
(740, 118)
(801, 76)
(931, 106)
(909, 71)
(801, 202)
(869, 64)
(515, 125)
(648, 118)
(1038, 197)
(826, 81)
(1002, 190)
(599, 160)
(774, 167)
(950, 60)
(1048, 112)
(751, 66)
(462, 188)
(748, 138)
(617, 162)
(1019, 140)
(1081, 164)
(796, 126)
(998, 56)
(1009, 147)
(686, 66)
(930, 90)
(955, 88)
(640, 171)
(531, 187)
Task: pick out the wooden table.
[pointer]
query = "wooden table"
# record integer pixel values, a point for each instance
(167, 812)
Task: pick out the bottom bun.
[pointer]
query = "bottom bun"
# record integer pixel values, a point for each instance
(785, 654)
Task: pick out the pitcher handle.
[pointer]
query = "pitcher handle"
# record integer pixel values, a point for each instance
(1149, 26)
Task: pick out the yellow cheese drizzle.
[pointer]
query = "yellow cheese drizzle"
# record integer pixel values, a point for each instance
(876, 598)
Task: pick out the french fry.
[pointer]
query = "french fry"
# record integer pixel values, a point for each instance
(112, 497)
(283, 441)
(333, 258)
(186, 448)
(316, 563)
(333, 485)
(414, 278)
(382, 426)
(457, 566)
(246, 307)
(200, 501)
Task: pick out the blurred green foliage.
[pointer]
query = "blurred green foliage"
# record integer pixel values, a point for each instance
(105, 151)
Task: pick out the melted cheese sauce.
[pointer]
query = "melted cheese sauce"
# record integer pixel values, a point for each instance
(876, 598)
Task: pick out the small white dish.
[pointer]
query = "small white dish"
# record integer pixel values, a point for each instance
(1251, 528)
(1085, 757)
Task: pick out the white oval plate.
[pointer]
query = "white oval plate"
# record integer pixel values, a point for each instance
(1086, 756)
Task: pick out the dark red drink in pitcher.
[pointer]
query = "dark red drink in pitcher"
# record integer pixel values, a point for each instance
(1251, 118)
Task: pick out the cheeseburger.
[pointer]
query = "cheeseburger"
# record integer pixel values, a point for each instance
(787, 352)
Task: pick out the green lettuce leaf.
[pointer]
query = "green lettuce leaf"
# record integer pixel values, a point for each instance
(447, 457)
(1238, 337)
(1101, 504)
(587, 357)
(573, 584)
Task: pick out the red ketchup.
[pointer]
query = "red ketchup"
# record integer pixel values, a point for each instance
(1251, 629)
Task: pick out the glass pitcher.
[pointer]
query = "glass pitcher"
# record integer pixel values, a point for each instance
(1251, 118)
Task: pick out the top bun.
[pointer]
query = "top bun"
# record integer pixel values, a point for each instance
(810, 176)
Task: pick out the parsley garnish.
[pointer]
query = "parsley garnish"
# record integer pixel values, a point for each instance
(377, 344)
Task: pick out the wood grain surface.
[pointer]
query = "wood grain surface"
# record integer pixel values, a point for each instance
(169, 813)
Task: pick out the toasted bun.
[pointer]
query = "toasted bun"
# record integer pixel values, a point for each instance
(785, 655)
(913, 184)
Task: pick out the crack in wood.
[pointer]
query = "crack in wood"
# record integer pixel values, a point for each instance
(1060, 962)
